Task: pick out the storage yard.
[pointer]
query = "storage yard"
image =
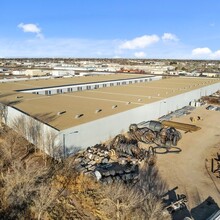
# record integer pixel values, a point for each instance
(186, 165)
(190, 170)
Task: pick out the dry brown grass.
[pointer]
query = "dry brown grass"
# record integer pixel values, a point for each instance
(52, 190)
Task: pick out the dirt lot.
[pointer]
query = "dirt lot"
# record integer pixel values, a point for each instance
(189, 170)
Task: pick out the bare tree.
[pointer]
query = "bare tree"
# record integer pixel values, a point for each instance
(53, 146)
(151, 181)
(19, 187)
(139, 201)
(35, 132)
(122, 200)
(3, 113)
(45, 196)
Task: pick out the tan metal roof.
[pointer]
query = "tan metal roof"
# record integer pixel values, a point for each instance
(93, 104)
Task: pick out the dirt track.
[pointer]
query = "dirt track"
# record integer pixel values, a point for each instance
(187, 169)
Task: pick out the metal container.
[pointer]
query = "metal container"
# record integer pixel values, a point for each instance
(154, 125)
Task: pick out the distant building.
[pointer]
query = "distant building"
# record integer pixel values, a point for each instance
(18, 72)
(211, 74)
(35, 72)
(61, 73)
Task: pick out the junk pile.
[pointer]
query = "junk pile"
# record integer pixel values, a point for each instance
(116, 162)
(212, 99)
(119, 160)
(213, 108)
(155, 133)
(174, 202)
(186, 110)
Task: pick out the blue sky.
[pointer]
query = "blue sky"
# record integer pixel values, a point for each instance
(183, 29)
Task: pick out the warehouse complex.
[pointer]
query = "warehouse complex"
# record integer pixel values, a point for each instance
(83, 111)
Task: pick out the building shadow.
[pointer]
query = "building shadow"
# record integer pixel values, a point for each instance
(178, 211)
(47, 117)
(204, 210)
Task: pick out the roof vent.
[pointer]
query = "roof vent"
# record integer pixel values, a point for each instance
(79, 115)
(139, 100)
(60, 113)
(128, 103)
(114, 106)
(98, 110)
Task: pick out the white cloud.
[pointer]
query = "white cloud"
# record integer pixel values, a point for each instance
(169, 37)
(216, 54)
(206, 53)
(58, 47)
(201, 51)
(116, 57)
(31, 28)
(140, 54)
(140, 42)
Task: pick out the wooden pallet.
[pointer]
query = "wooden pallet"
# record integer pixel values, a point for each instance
(181, 126)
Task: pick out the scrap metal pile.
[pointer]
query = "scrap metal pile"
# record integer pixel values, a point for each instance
(160, 136)
(212, 99)
(120, 159)
(174, 202)
(116, 162)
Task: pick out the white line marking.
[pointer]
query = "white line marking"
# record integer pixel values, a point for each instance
(112, 93)
(109, 100)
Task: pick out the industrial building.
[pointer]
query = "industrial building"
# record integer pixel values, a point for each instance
(83, 111)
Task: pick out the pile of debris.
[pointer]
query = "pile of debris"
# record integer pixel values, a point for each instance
(119, 160)
(212, 99)
(155, 133)
(213, 108)
(108, 165)
(186, 110)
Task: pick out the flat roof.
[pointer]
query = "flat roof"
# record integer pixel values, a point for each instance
(44, 83)
(88, 102)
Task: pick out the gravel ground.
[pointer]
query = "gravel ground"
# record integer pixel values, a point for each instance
(190, 169)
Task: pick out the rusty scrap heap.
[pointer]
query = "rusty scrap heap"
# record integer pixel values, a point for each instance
(119, 160)
(107, 165)
(161, 136)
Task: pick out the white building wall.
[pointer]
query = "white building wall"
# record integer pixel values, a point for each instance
(73, 88)
(94, 132)
(48, 139)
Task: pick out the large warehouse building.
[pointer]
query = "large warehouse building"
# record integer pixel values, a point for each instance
(83, 111)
